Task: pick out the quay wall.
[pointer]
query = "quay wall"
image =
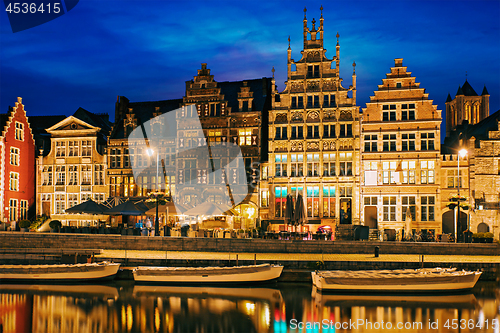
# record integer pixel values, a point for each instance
(119, 242)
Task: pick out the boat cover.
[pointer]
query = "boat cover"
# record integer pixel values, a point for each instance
(162, 271)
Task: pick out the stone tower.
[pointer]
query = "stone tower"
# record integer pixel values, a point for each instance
(466, 106)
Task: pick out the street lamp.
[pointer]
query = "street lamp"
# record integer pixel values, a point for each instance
(462, 154)
(150, 153)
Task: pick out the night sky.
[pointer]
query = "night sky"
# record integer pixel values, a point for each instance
(146, 50)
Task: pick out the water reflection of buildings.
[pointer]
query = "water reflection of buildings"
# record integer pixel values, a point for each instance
(203, 309)
(402, 309)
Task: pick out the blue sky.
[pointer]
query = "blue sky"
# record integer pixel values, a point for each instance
(146, 50)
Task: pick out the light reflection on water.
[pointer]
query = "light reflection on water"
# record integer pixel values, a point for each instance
(123, 307)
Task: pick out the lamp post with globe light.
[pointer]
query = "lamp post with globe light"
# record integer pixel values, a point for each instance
(462, 153)
(150, 153)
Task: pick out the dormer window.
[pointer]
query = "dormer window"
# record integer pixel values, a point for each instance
(398, 84)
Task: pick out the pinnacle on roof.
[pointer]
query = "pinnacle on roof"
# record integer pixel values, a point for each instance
(485, 92)
(459, 91)
(448, 99)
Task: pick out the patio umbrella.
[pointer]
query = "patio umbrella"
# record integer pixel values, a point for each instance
(209, 208)
(289, 210)
(300, 216)
(126, 208)
(87, 207)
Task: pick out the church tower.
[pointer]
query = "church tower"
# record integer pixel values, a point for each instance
(466, 106)
(314, 137)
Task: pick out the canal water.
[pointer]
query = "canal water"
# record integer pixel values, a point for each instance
(123, 307)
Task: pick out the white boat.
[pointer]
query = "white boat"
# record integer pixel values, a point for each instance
(76, 272)
(187, 275)
(403, 280)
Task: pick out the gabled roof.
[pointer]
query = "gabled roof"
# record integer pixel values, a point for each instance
(64, 125)
(143, 112)
(92, 119)
(259, 87)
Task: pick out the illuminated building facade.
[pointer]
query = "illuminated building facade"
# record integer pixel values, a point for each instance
(314, 138)
(72, 169)
(17, 165)
(401, 156)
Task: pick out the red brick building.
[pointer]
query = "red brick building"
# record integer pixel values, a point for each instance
(17, 164)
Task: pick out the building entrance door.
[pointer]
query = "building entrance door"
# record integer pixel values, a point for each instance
(345, 211)
(371, 217)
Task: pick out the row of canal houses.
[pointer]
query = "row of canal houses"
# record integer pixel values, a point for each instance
(379, 167)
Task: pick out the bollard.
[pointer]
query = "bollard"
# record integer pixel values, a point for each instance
(377, 251)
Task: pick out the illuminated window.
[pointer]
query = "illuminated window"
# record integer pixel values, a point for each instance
(408, 172)
(408, 112)
(280, 165)
(328, 201)
(312, 193)
(47, 175)
(60, 149)
(72, 200)
(389, 142)
(427, 205)
(345, 164)
(245, 136)
(408, 142)
(19, 131)
(73, 175)
(60, 175)
(389, 208)
(427, 172)
(388, 172)
(86, 148)
(426, 141)
(264, 198)
(408, 202)
(280, 201)
(329, 165)
(215, 137)
(14, 181)
(297, 164)
(371, 142)
(24, 210)
(14, 156)
(312, 165)
(12, 210)
(60, 202)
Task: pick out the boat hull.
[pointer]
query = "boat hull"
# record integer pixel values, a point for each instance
(208, 275)
(421, 283)
(59, 273)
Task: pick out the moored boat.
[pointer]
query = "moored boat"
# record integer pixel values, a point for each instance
(76, 272)
(210, 275)
(403, 280)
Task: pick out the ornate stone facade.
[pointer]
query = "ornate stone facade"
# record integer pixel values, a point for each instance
(314, 138)
(73, 169)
